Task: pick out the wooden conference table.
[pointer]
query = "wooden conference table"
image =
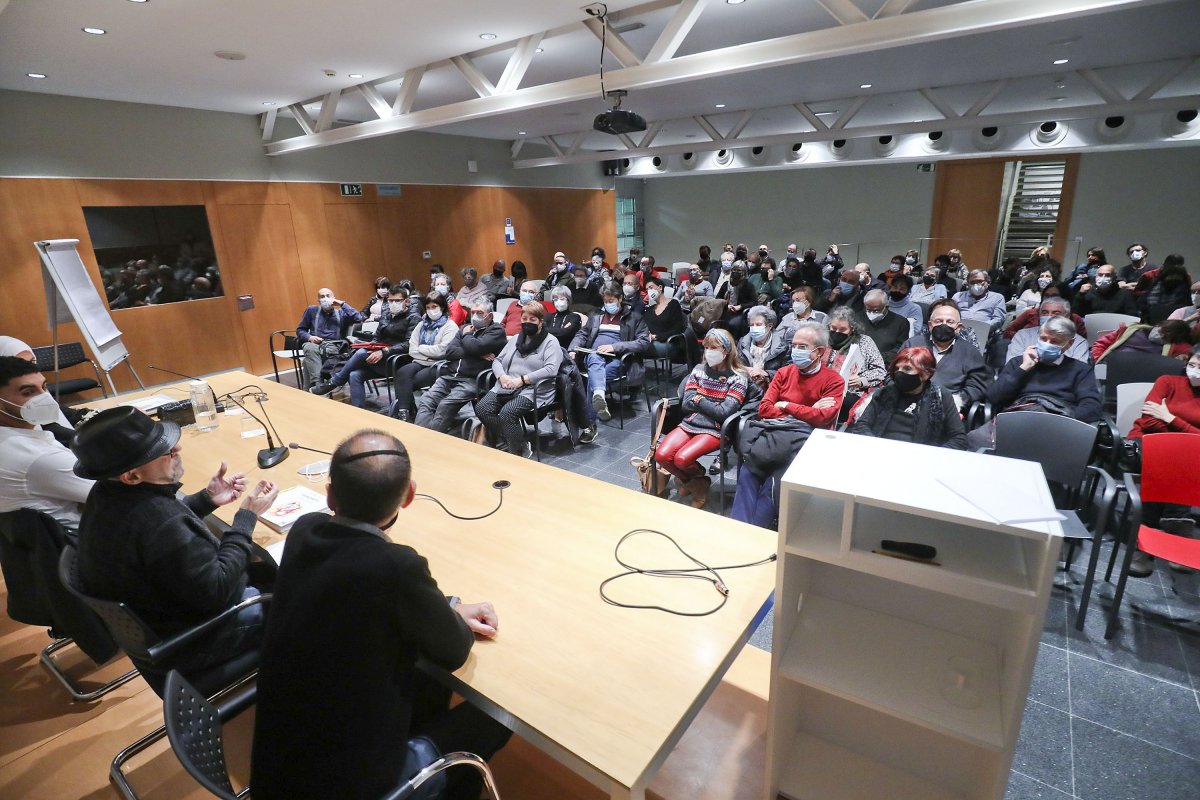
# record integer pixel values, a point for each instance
(606, 690)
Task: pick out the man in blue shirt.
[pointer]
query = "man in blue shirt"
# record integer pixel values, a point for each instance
(320, 331)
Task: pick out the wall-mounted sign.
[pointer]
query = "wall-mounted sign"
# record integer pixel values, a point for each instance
(510, 233)
(351, 189)
(387, 189)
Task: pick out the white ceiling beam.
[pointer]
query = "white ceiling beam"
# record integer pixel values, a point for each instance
(328, 111)
(302, 118)
(1156, 85)
(479, 82)
(1027, 117)
(613, 42)
(844, 11)
(806, 112)
(923, 27)
(988, 97)
(651, 134)
(518, 63)
(708, 128)
(1102, 87)
(893, 8)
(267, 125)
(944, 108)
(578, 143)
(844, 118)
(741, 124)
(627, 141)
(678, 27)
(553, 145)
(517, 147)
(408, 91)
(370, 93)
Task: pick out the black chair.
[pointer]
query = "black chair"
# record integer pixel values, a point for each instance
(617, 390)
(444, 763)
(288, 346)
(676, 354)
(193, 727)
(70, 354)
(30, 545)
(1132, 367)
(152, 655)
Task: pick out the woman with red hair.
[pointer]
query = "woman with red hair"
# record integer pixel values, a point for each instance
(909, 407)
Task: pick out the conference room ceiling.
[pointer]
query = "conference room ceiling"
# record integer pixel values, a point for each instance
(925, 62)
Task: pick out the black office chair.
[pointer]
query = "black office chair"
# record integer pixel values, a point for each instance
(1133, 367)
(70, 354)
(30, 545)
(152, 655)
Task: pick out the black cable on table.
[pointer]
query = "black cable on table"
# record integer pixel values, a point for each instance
(499, 486)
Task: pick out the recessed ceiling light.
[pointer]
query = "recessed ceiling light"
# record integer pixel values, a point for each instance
(734, 2)
(38, 75)
(1058, 99)
(355, 75)
(139, 1)
(540, 50)
(864, 86)
(720, 105)
(95, 31)
(265, 102)
(487, 36)
(522, 133)
(826, 113)
(1060, 61)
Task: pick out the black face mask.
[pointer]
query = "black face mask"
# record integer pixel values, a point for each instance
(906, 382)
(530, 329)
(929, 280)
(498, 272)
(942, 333)
(735, 279)
(837, 339)
(898, 296)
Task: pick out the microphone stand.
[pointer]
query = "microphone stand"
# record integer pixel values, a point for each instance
(295, 446)
(219, 406)
(270, 455)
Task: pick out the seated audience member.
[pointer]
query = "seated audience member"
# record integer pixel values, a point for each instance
(928, 291)
(320, 331)
(848, 292)
(803, 391)
(811, 273)
(1035, 290)
(911, 407)
(454, 309)
(1168, 291)
(1170, 338)
(1086, 271)
(561, 271)
(563, 324)
(766, 282)
(1006, 278)
(376, 309)
(497, 284)
(1139, 264)
(1189, 313)
(900, 302)
(519, 273)
(36, 469)
(532, 356)
(584, 288)
(696, 284)
(763, 351)
(512, 315)
(960, 365)
(68, 417)
(141, 545)
(427, 345)
(200, 289)
(471, 352)
(957, 267)
(664, 319)
(631, 292)
(866, 281)
(895, 267)
(740, 298)
(714, 391)
(350, 738)
(473, 290)
(801, 309)
(1173, 404)
(719, 276)
(885, 327)
(1102, 295)
(366, 364)
(1044, 379)
(1053, 306)
(612, 331)
(845, 331)
(946, 276)
(978, 303)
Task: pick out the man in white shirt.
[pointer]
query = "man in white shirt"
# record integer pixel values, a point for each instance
(36, 471)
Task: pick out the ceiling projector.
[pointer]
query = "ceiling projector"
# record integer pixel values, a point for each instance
(618, 120)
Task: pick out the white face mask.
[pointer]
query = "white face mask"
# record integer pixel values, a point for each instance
(479, 321)
(326, 303)
(800, 309)
(1196, 299)
(652, 295)
(1104, 280)
(978, 289)
(1136, 255)
(713, 357)
(561, 304)
(1193, 374)
(396, 306)
(1043, 283)
(434, 313)
(628, 289)
(41, 409)
(875, 316)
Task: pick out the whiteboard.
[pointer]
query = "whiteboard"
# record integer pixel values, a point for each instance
(71, 296)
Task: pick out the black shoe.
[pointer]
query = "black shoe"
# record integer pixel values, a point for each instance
(1142, 565)
(588, 434)
(323, 388)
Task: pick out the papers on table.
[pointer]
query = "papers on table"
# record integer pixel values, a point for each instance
(148, 405)
(290, 505)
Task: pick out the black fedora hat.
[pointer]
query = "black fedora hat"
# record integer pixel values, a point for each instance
(117, 440)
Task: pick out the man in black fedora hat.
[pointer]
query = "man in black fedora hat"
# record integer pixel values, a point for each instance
(141, 545)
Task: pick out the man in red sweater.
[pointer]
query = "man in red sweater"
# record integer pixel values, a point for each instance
(803, 390)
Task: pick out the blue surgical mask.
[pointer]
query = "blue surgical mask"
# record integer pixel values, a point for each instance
(526, 297)
(1043, 319)
(442, 289)
(758, 332)
(1048, 352)
(846, 288)
(612, 308)
(802, 358)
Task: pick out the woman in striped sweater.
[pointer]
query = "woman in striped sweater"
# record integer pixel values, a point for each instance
(715, 390)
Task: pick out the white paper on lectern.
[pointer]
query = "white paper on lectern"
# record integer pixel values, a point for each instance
(1004, 501)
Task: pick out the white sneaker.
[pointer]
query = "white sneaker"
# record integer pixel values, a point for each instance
(600, 406)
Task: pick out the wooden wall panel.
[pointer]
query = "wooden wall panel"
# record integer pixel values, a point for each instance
(247, 193)
(966, 208)
(356, 258)
(140, 193)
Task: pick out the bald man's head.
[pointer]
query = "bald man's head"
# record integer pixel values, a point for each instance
(370, 477)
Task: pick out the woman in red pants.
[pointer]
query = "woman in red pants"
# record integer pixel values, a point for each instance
(715, 390)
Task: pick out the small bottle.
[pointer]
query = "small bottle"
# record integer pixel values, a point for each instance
(203, 406)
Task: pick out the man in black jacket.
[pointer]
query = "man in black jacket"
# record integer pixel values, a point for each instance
(367, 364)
(960, 364)
(142, 546)
(474, 348)
(886, 328)
(339, 694)
(1104, 295)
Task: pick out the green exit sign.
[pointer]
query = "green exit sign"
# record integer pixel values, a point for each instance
(351, 189)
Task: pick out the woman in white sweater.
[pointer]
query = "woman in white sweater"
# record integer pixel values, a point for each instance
(426, 347)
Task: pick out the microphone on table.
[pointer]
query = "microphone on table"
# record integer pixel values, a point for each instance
(218, 405)
(270, 455)
(295, 446)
